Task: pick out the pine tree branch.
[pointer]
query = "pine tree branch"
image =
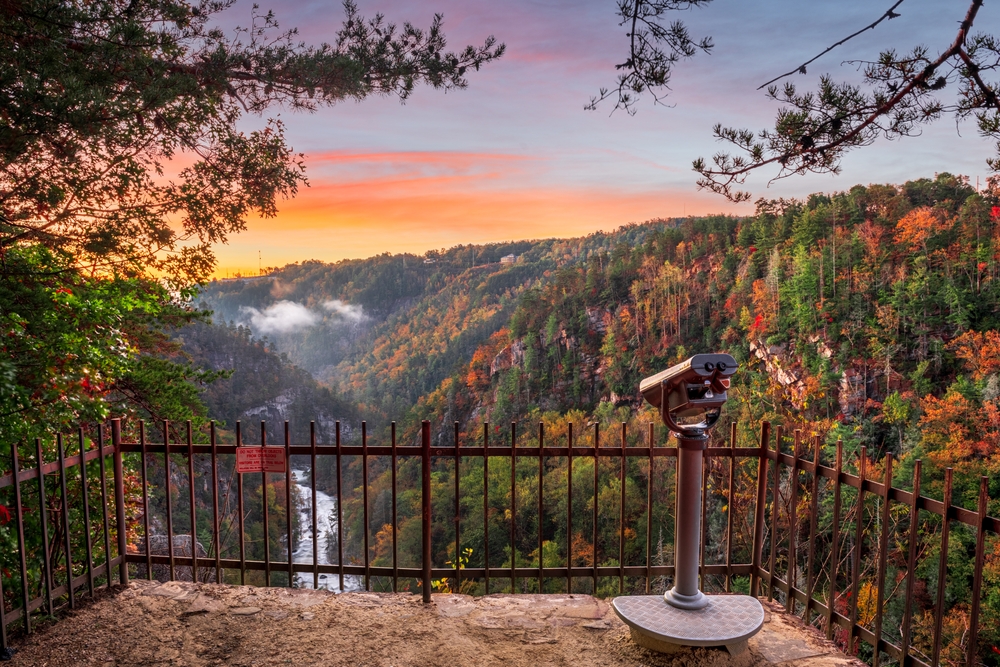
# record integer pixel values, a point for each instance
(820, 157)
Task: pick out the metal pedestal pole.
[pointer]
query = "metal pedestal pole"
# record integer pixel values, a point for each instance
(687, 530)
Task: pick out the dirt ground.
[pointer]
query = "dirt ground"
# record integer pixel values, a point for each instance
(185, 624)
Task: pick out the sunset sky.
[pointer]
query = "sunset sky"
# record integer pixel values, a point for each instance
(515, 156)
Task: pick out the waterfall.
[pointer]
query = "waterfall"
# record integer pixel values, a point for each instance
(326, 534)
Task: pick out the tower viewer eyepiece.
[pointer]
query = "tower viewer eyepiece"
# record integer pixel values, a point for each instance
(691, 394)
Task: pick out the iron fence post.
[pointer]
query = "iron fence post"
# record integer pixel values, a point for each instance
(758, 524)
(43, 510)
(116, 441)
(22, 545)
(6, 651)
(426, 503)
(977, 578)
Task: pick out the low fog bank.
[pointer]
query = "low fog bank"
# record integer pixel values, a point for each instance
(286, 317)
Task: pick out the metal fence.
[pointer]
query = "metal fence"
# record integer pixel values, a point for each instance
(430, 458)
(761, 522)
(864, 529)
(54, 492)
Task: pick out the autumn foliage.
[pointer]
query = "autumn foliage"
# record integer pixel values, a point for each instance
(916, 227)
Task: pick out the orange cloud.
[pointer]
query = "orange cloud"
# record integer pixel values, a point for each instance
(452, 158)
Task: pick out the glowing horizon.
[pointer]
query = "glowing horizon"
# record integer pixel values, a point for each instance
(515, 157)
(415, 202)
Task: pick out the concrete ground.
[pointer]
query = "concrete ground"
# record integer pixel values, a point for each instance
(187, 624)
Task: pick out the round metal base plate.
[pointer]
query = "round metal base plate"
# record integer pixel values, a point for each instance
(726, 621)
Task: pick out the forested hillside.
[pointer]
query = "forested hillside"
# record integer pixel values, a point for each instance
(263, 385)
(856, 312)
(387, 331)
(869, 316)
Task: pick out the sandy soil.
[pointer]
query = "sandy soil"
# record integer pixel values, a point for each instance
(179, 623)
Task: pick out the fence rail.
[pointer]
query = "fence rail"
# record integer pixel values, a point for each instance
(432, 455)
(761, 523)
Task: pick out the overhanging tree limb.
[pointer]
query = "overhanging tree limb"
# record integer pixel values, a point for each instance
(817, 129)
(801, 69)
(654, 49)
(102, 97)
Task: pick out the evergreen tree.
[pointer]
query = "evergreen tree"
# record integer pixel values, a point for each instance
(100, 98)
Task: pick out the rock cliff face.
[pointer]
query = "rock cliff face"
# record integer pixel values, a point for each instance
(783, 365)
(598, 319)
(852, 394)
(591, 367)
(510, 356)
(296, 405)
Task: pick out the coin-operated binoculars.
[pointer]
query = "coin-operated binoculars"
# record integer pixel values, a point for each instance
(690, 397)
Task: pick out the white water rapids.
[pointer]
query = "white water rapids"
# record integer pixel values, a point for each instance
(326, 535)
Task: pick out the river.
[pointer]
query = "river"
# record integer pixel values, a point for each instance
(326, 535)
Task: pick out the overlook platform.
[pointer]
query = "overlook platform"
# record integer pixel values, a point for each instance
(187, 624)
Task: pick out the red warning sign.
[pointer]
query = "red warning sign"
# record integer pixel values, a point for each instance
(260, 459)
(273, 459)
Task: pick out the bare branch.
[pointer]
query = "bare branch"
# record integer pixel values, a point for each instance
(889, 14)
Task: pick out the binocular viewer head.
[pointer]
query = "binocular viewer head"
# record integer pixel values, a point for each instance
(691, 394)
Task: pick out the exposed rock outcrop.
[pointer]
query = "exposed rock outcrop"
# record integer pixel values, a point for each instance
(512, 355)
(780, 365)
(598, 320)
(852, 394)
